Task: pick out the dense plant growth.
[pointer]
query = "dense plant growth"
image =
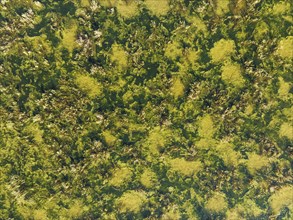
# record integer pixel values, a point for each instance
(146, 109)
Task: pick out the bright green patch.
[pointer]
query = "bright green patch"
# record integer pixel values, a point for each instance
(173, 214)
(40, 214)
(85, 3)
(35, 132)
(109, 138)
(119, 56)
(158, 8)
(177, 88)
(149, 178)
(285, 48)
(127, 9)
(69, 36)
(283, 89)
(217, 203)
(261, 30)
(120, 176)
(173, 50)
(231, 74)
(222, 50)
(184, 167)
(206, 128)
(157, 140)
(257, 162)
(246, 210)
(88, 85)
(107, 3)
(131, 201)
(281, 199)
(229, 156)
(198, 23)
(286, 130)
(281, 7)
(222, 7)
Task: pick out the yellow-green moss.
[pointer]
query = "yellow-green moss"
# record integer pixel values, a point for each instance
(40, 43)
(239, 6)
(206, 127)
(222, 7)
(177, 88)
(190, 210)
(131, 201)
(286, 130)
(256, 162)
(40, 214)
(231, 74)
(283, 89)
(69, 36)
(34, 131)
(118, 56)
(88, 85)
(198, 23)
(246, 210)
(249, 109)
(85, 3)
(281, 7)
(127, 9)
(149, 178)
(222, 50)
(173, 50)
(281, 199)
(206, 143)
(185, 168)
(285, 48)
(76, 210)
(157, 139)
(288, 113)
(120, 176)
(260, 30)
(192, 56)
(172, 214)
(158, 8)
(217, 203)
(107, 3)
(109, 138)
(226, 152)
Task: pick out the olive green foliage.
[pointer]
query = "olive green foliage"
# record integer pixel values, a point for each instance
(246, 210)
(217, 203)
(118, 56)
(286, 130)
(146, 109)
(88, 85)
(158, 8)
(281, 199)
(149, 178)
(120, 176)
(256, 162)
(222, 50)
(185, 168)
(228, 154)
(177, 88)
(206, 127)
(222, 7)
(127, 9)
(231, 74)
(131, 201)
(285, 48)
(69, 36)
(173, 50)
(157, 140)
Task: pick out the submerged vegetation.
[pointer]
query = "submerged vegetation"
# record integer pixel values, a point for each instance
(146, 109)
